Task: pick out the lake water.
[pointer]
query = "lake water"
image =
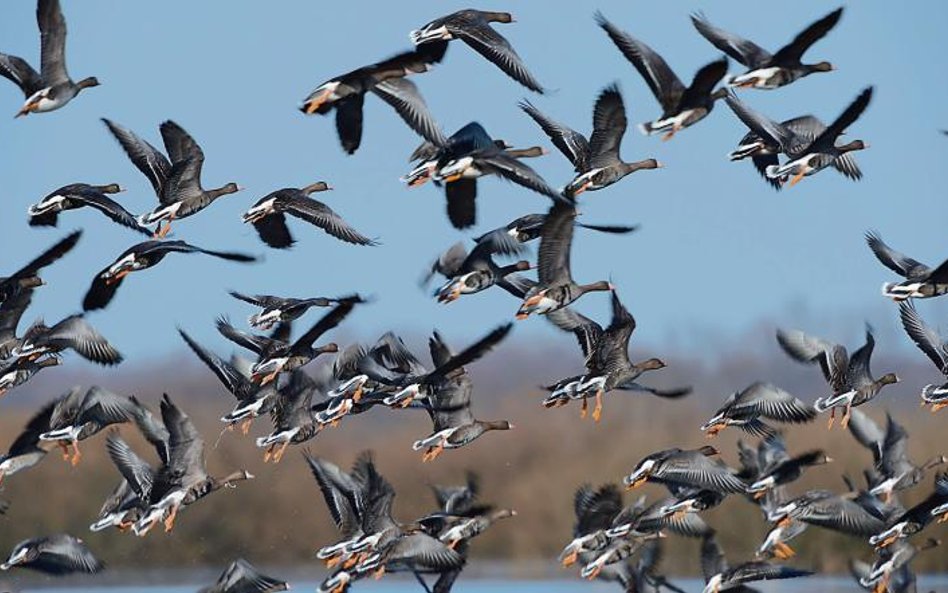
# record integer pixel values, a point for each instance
(401, 585)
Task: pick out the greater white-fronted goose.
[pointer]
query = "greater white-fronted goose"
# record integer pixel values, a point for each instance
(51, 87)
(596, 160)
(176, 178)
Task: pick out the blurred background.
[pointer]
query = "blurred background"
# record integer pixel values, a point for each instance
(720, 261)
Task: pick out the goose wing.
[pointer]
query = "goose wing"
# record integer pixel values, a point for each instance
(76, 333)
(403, 95)
(896, 261)
(319, 214)
(109, 207)
(144, 156)
(793, 51)
(772, 402)
(571, 143)
(52, 26)
(492, 45)
(19, 71)
(65, 554)
(659, 77)
(556, 238)
(744, 51)
(609, 125)
(137, 472)
(926, 338)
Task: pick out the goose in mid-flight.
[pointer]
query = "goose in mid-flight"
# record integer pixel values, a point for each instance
(50, 88)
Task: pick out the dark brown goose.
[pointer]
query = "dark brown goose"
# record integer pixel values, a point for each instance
(556, 287)
(268, 216)
(608, 366)
(473, 27)
(596, 160)
(386, 79)
(176, 178)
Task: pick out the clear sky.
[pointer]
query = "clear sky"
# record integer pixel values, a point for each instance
(718, 250)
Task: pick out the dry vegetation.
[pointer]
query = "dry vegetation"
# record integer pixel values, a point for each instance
(280, 518)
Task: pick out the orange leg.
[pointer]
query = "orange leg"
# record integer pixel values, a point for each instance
(671, 134)
(280, 451)
(597, 411)
(245, 425)
(570, 559)
(845, 422)
(169, 521)
(832, 419)
(64, 448)
(433, 453)
(268, 453)
(796, 178)
(938, 406)
(76, 454)
(584, 408)
(379, 573)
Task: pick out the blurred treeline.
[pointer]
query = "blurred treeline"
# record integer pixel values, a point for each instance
(280, 518)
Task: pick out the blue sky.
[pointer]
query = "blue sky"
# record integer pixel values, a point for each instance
(718, 250)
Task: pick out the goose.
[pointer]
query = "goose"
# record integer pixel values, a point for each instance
(275, 309)
(386, 544)
(849, 378)
(595, 511)
(252, 400)
(932, 507)
(141, 257)
(473, 154)
(891, 568)
(921, 282)
(897, 472)
(767, 139)
(783, 469)
(72, 333)
(21, 370)
(50, 88)
(27, 277)
(427, 155)
(745, 409)
(934, 347)
(27, 450)
(120, 509)
(596, 160)
(473, 27)
(608, 366)
(293, 417)
(686, 468)
(386, 79)
(242, 577)
(82, 413)
(809, 158)
(344, 493)
(681, 106)
(77, 195)
(766, 71)
(58, 555)
(268, 217)
(529, 227)
(829, 511)
(449, 397)
(470, 273)
(556, 288)
(277, 356)
(176, 178)
(183, 479)
(720, 576)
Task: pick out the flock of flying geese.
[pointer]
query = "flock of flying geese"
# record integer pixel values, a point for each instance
(612, 541)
